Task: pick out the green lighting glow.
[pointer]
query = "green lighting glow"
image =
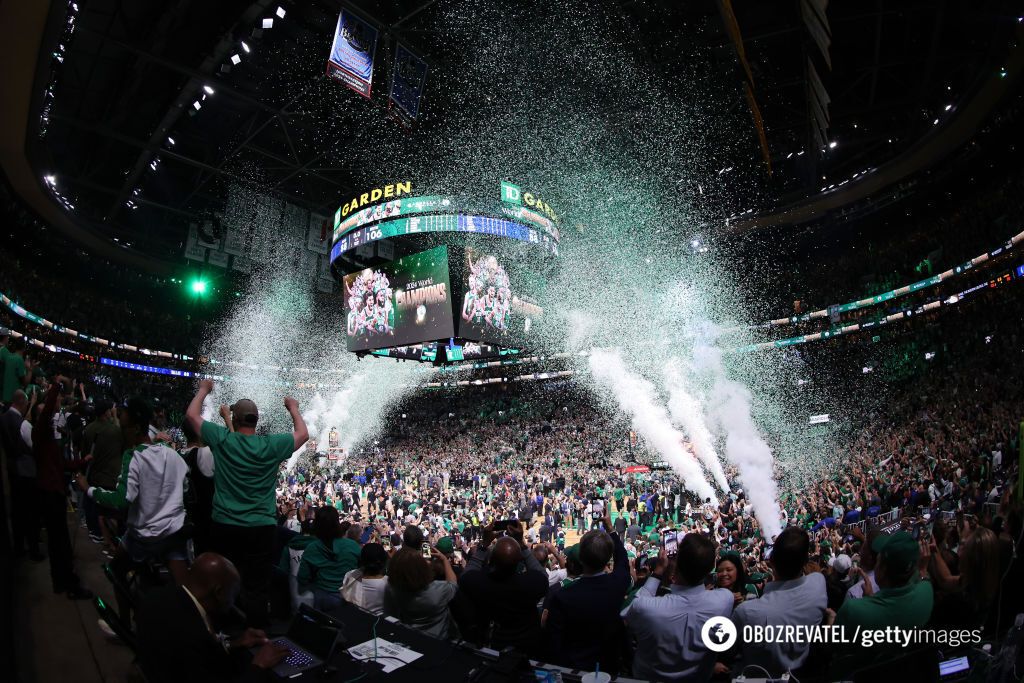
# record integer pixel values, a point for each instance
(199, 286)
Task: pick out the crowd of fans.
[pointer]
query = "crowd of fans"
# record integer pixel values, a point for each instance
(531, 521)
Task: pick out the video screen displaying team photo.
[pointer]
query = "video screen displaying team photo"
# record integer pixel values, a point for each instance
(494, 307)
(400, 303)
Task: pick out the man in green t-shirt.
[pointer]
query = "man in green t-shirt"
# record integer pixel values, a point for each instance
(17, 372)
(244, 505)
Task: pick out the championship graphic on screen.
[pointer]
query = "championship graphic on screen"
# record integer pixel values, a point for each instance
(402, 303)
(493, 307)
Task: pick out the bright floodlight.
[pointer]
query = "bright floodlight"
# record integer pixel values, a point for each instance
(268, 22)
(236, 60)
(199, 286)
(208, 89)
(245, 47)
(280, 12)
(833, 144)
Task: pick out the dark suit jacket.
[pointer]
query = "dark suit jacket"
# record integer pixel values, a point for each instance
(583, 625)
(14, 445)
(175, 645)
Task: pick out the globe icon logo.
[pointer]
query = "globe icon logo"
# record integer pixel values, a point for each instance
(718, 634)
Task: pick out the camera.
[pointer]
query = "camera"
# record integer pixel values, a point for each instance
(425, 550)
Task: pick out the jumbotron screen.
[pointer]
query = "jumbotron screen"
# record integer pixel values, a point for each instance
(401, 303)
(499, 303)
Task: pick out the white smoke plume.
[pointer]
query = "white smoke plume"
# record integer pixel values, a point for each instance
(730, 405)
(687, 413)
(636, 397)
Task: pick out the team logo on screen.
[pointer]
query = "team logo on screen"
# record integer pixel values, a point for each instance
(489, 299)
(371, 312)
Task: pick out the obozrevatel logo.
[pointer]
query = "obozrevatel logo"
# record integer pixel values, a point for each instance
(718, 634)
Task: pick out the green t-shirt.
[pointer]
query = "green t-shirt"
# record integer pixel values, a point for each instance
(244, 474)
(14, 370)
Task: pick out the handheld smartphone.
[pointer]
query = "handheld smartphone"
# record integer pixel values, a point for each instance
(386, 542)
(425, 550)
(670, 541)
(457, 555)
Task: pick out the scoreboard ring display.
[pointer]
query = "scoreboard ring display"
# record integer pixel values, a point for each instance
(402, 290)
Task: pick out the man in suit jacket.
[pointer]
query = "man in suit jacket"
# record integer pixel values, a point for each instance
(177, 640)
(16, 439)
(583, 625)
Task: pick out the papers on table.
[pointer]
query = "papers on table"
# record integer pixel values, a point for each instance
(389, 655)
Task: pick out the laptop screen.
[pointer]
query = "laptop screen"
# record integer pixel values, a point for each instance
(314, 636)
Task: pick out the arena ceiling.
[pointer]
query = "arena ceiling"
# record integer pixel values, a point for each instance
(125, 84)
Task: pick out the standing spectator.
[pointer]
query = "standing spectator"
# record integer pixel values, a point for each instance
(900, 599)
(506, 598)
(582, 626)
(17, 371)
(792, 599)
(102, 440)
(199, 499)
(53, 498)
(16, 438)
(244, 508)
(668, 629)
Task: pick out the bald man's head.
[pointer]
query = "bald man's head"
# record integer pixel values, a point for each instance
(20, 401)
(506, 555)
(214, 582)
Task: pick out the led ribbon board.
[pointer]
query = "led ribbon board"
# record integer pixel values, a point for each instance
(465, 223)
(405, 206)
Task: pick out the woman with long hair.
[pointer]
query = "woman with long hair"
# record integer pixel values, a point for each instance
(327, 560)
(414, 596)
(365, 585)
(964, 599)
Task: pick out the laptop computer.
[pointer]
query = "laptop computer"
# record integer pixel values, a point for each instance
(311, 640)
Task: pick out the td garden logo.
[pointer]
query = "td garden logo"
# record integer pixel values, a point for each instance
(718, 634)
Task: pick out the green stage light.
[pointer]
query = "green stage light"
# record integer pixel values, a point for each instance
(199, 286)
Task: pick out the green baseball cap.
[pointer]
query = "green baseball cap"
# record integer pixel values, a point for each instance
(573, 552)
(445, 545)
(899, 551)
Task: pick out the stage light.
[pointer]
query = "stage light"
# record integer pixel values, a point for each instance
(268, 23)
(948, 107)
(245, 47)
(208, 89)
(170, 141)
(198, 286)
(197, 105)
(280, 12)
(236, 59)
(833, 144)
(935, 122)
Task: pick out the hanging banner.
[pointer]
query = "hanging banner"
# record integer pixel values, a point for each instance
(193, 250)
(351, 60)
(407, 79)
(318, 239)
(207, 236)
(219, 258)
(234, 241)
(241, 264)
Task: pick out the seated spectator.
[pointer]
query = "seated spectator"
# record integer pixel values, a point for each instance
(414, 597)
(178, 637)
(365, 585)
(583, 628)
(327, 560)
(900, 600)
(506, 598)
(667, 629)
(793, 598)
